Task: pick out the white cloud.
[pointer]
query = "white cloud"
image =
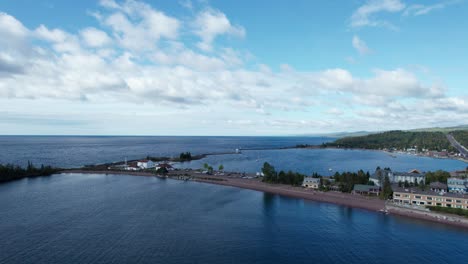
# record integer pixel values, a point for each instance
(93, 37)
(419, 9)
(138, 65)
(366, 14)
(11, 27)
(138, 26)
(186, 4)
(360, 45)
(211, 23)
(54, 35)
(334, 111)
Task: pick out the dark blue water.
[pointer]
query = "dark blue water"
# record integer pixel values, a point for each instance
(75, 151)
(69, 151)
(128, 219)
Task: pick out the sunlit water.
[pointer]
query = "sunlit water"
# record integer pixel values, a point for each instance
(127, 219)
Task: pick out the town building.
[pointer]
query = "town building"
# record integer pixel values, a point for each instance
(145, 164)
(366, 189)
(167, 166)
(395, 177)
(438, 187)
(457, 185)
(310, 182)
(417, 197)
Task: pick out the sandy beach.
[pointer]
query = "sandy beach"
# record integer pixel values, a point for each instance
(345, 199)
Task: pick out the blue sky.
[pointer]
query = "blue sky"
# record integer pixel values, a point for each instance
(231, 67)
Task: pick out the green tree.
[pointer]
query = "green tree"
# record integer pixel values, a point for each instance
(269, 173)
(387, 191)
(406, 184)
(221, 167)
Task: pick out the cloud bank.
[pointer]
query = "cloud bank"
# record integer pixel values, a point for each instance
(137, 61)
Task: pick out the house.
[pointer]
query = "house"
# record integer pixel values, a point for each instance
(145, 164)
(438, 187)
(310, 182)
(379, 175)
(167, 166)
(366, 189)
(133, 168)
(417, 197)
(395, 177)
(459, 173)
(411, 177)
(457, 185)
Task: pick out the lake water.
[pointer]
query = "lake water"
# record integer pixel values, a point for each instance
(76, 151)
(69, 151)
(77, 218)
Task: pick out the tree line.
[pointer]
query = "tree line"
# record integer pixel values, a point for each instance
(272, 176)
(10, 172)
(461, 136)
(400, 140)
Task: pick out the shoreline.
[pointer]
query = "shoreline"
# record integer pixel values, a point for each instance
(344, 199)
(308, 147)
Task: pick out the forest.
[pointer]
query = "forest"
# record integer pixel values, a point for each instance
(10, 172)
(461, 136)
(400, 140)
(272, 176)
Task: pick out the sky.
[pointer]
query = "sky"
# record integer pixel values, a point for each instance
(219, 67)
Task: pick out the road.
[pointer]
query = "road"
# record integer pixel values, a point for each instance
(457, 145)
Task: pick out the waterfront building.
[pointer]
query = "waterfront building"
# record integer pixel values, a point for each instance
(417, 197)
(145, 164)
(366, 189)
(310, 182)
(457, 185)
(167, 166)
(459, 173)
(438, 187)
(395, 177)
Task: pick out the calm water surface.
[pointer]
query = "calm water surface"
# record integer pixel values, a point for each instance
(70, 151)
(78, 218)
(76, 151)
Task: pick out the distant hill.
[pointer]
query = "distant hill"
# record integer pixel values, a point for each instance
(366, 133)
(396, 139)
(441, 129)
(342, 134)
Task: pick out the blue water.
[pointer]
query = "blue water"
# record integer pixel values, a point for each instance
(321, 161)
(128, 219)
(76, 151)
(69, 151)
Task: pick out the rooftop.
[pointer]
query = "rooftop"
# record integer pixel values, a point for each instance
(364, 187)
(438, 185)
(417, 190)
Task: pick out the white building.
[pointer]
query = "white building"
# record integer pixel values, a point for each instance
(310, 182)
(457, 185)
(395, 177)
(145, 164)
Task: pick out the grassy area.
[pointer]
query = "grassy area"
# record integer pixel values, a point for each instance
(449, 210)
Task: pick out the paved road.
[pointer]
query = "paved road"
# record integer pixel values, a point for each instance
(457, 145)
